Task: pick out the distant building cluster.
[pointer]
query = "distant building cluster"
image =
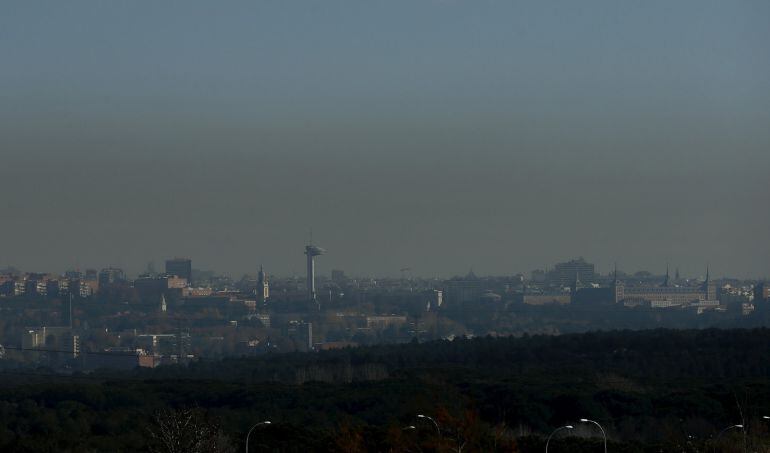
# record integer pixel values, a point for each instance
(576, 283)
(83, 320)
(48, 285)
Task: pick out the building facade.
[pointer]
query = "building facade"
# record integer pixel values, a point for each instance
(665, 295)
(110, 276)
(181, 267)
(461, 290)
(762, 292)
(563, 274)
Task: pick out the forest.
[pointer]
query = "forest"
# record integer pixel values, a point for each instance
(654, 390)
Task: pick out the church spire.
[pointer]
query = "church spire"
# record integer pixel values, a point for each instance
(666, 281)
(709, 286)
(576, 284)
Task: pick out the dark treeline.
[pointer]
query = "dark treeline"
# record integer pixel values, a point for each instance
(651, 390)
(652, 354)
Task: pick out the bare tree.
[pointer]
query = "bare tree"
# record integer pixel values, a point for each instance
(187, 431)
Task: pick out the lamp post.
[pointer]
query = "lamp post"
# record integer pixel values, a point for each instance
(716, 440)
(266, 422)
(554, 432)
(438, 430)
(585, 420)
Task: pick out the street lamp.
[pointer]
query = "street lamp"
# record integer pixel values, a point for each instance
(266, 422)
(585, 420)
(438, 430)
(554, 432)
(723, 431)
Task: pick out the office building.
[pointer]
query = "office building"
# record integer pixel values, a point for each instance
(181, 267)
(338, 276)
(563, 274)
(110, 276)
(461, 290)
(761, 292)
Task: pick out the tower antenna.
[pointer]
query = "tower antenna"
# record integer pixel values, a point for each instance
(312, 251)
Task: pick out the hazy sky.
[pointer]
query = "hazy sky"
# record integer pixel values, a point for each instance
(438, 135)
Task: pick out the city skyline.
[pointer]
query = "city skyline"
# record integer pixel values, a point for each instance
(667, 268)
(402, 225)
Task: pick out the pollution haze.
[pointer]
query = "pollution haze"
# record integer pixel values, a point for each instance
(435, 135)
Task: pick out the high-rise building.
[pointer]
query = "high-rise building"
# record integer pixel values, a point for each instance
(109, 276)
(761, 292)
(463, 289)
(338, 276)
(181, 267)
(89, 285)
(262, 290)
(564, 274)
(312, 251)
(537, 276)
(73, 275)
(435, 299)
(302, 333)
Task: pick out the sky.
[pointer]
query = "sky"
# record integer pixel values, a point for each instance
(439, 135)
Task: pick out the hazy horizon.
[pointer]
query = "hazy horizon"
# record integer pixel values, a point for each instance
(435, 135)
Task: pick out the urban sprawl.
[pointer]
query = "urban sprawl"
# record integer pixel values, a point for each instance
(81, 321)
